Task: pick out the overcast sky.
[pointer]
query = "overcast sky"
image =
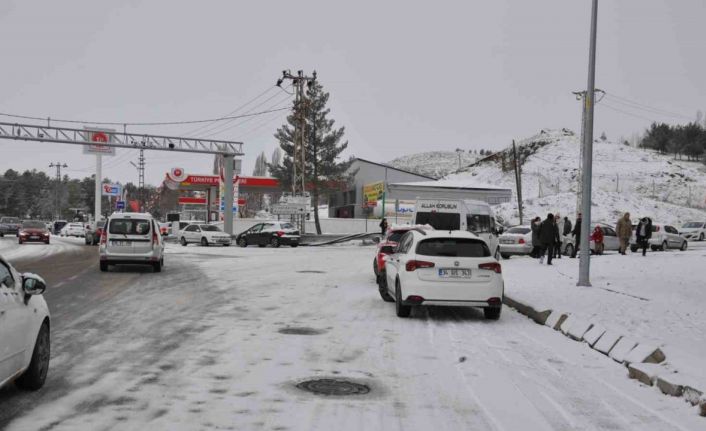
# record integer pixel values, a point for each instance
(403, 76)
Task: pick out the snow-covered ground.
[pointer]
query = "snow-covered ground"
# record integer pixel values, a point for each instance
(10, 250)
(659, 299)
(624, 179)
(435, 164)
(215, 342)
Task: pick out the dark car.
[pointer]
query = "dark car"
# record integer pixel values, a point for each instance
(274, 233)
(58, 225)
(9, 226)
(33, 231)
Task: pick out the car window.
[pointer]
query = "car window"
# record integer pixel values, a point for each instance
(609, 231)
(671, 229)
(287, 226)
(439, 221)
(129, 226)
(453, 247)
(4, 273)
(268, 226)
(395, 235)
(519, 230)
(405, 243)
(209, 228)
(479, 223)
(257, 228)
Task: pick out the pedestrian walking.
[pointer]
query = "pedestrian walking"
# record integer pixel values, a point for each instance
(624, 230)
(576, 232)
(383, 226)
(557, 240)
(567, 227)
(643, 232)
(597, 238)
(548, 233)
(536, 246)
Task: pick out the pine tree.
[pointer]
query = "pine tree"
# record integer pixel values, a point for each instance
(276, 157)
(260, 169)
(324, 170)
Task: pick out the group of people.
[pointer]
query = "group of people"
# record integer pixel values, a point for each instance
(547, 236)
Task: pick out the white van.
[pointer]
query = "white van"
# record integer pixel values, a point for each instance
(131, 238)
(453, 214)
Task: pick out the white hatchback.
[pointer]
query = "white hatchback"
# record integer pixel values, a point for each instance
(131, 238)
(447, 268)
(693, 231)
(24, 329)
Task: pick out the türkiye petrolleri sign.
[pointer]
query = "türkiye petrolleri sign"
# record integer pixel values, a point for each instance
(373, 193)
(97, 137)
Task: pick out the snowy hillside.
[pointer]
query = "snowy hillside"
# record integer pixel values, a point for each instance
(625, 179)
(434, 164)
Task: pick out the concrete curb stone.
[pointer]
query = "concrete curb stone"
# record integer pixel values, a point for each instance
(622, 348)
(645, 353)
(645, 373)
(528, 310)
(594, 334)
(556, 319)
(607, 342)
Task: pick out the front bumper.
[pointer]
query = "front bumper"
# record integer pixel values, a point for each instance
(34, 238)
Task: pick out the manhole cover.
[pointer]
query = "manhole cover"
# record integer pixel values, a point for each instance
(309, 271)
(333, 387)
(294, 330)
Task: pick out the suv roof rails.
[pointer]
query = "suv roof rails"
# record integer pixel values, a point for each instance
(420, 230)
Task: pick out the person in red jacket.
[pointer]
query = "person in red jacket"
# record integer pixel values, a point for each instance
(597, 238)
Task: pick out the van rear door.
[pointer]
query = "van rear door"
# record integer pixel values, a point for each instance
(441, 214)
(130, 235)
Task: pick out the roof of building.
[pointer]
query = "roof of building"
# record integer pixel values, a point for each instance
(394, 168)
(451, 184)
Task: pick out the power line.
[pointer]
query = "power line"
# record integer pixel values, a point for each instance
(240, 123)
(644, 107)
(651, 120)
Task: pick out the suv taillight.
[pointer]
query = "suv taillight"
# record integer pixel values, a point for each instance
(155, 238)
(521, 241)
(491, 266)
(104, 237)
(415, 264)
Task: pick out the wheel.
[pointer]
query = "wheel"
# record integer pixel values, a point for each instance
(157, 266)
(400, 309)
(683, 246)
(226, 244)
(505, 255)
(35, 375)
(262, 245)
(104, 266)
(375, 266)
(19, 242)
(701, 237)
(46, 242)
(654, 248)
(492, 313)
(294, 245)
(204, 242)
(242, 242)
(665, 246)
(382, 289)
(274, 242)
(569, 250)
(183, 241)
(87, 241)
(633, 248)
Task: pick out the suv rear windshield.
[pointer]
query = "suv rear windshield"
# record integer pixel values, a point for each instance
(396, 235)
(440, 221)
(129, 226)
(520, 230)
(453, 247)
(31, 224)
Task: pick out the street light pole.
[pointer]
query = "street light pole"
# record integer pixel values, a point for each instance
(587, 162)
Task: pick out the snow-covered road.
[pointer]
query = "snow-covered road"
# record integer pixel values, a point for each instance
(215, 342)
(10, 250)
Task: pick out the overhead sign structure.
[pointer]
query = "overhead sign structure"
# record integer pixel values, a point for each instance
(111, 189)
(99, 137)
(372, 193)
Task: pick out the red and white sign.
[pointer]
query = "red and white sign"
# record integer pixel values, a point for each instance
(177, 174)
(99, 136)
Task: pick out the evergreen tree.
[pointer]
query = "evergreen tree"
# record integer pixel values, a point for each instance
(325, 171)
(260, 169)
(276, 157)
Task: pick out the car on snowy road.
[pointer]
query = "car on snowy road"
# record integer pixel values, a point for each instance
(274, 233)
(73, 229)
(33, 231)
(664, 237)
(204, 234)
(9, 226)
(516, 241)
(693, 231)
(447, 268)
(131, 239)
(610, 241)
(24, 329)
(93, 232)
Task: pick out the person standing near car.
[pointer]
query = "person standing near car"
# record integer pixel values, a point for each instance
(567, 227)
(536, 246)
(597, 238)
(548, 233)
(577, 236)
(643, 232)
(558, 224)
(383, 226)
(624, 230)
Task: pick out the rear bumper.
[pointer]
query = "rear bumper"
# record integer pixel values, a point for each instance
(444, 303)
(137, 258)
(453, 292)
(288, 240)
(515, 249)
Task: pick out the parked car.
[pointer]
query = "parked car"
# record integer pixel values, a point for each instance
(663, 237)
(131, 238)
(57, 225)
(274, 233)
(386, 245)
(447, 268)
(73, 229)
(33, 231)
(610, 241)
(10, 226)
(24, 329)
(516, 241)
(693, 230)
(204, 234)
(93, 232)
(164, 228)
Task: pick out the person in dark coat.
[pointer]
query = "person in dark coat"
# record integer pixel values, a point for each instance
(536, 245)
(557, 240)
(548, 233)
(383, 226)
(643, 232)
(577, 236)
(567, 226)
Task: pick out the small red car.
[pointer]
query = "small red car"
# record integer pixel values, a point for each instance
(33, 231)
(387, 244)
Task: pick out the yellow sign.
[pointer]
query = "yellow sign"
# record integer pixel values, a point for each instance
(373, 192)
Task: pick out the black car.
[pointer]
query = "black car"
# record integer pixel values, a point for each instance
(274, 233)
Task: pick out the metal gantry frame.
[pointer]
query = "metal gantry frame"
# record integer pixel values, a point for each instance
(140, 141)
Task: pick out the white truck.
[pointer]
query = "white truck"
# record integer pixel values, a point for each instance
(454, 214)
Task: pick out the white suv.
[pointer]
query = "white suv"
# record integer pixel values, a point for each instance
(24, 329)
(131, 238)
(451, 268)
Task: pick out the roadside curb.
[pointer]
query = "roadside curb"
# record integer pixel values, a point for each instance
(645, 362)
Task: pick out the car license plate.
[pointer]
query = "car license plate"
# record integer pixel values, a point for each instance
(33, 237)
(454, 273)
(120, 243)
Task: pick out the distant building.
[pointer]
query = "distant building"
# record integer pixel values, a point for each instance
(404, 185)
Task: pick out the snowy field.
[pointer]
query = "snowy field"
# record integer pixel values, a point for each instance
(217, 341)
(659, 299)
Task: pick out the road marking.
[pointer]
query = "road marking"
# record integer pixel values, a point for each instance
(59, 284)
(73, 277)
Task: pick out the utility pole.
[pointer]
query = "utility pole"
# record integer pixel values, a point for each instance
(299, 156)
(140, 178)
(581, 95)
(587, 160)
(57, 192)
(518, 180)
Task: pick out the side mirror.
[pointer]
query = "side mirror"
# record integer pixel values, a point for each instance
(32, 284)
